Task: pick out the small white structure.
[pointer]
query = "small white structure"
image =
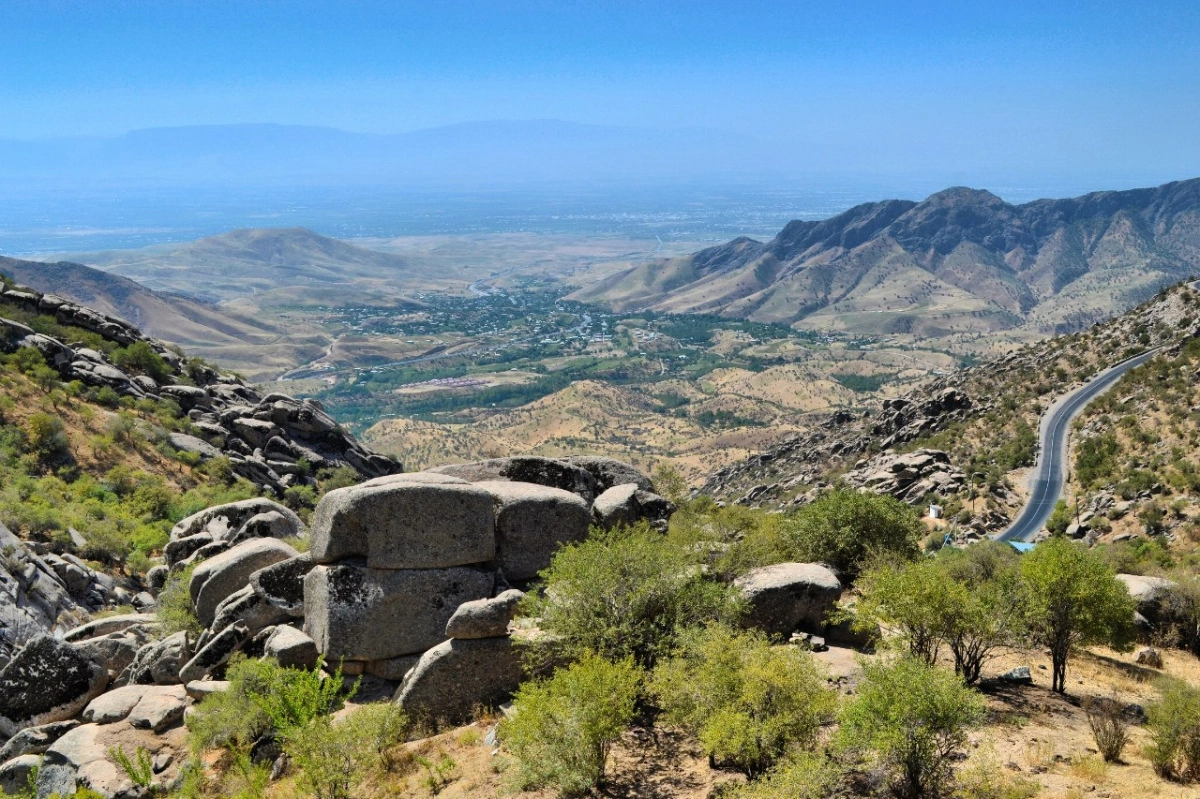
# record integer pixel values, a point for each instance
(935, 511)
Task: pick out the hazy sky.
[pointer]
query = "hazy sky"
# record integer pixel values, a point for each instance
(1074, 86)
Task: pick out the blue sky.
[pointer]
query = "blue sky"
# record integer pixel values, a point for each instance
(1018, 86)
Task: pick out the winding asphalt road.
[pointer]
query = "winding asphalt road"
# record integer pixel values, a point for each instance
(1047, 480)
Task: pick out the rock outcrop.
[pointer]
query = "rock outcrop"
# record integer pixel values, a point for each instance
(788, 597)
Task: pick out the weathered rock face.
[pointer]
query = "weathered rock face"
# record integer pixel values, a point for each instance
(485, 618)
(539, 471)
(249, 608)
(16, 773)
(789, 596)
(532, 522)
(457, 676)
(910, 477)
(282, 585)
(218, 577)
(359, 613)
(80, 758)
(405, 525)
(159, 662)
(47, 680)
(216, 652)
(32, 595)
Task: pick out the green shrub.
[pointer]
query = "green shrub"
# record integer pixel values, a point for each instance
(746, 701)
(140, 358)
(624, 593)
(174, 610)
(334, 756)
(562, 727)
(1110, 730)
(845, 528)
(47, 437)
(910, 720)
(264, 697)
(804, 775)
(1174, 724)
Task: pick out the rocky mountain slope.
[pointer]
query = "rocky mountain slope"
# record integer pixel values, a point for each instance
(961, 261)
(965, 439)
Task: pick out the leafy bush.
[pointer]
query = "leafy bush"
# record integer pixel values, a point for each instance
(624, 593)
(804, 775)
(140, 358)
(563, 727)
(1174, 723)
(47, 437)
(910, 719)
(263, 698)
(334, 756)
(747, 701)
(846, 528)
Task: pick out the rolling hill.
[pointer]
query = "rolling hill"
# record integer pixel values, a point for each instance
(281, 264)
(237, 340)
(962, 261)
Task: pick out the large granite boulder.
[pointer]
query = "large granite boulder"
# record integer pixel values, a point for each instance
(549, 472)
(224, 574)
(16, 774)
(1151, 594)
(247, 607)
(789, 596)
(32, 596)
(610, 472)
(115, 705)
(47, 680)
(485, 618)
(292, 648)
(627, 504)
(401, 524)
(455, 677)
(222, 522)
(80, 759)
(35, 740)
(532, 522)
(359, 613)
(115, 651)
(159, 662)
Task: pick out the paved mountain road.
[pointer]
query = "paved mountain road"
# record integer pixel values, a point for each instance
(1049, 474)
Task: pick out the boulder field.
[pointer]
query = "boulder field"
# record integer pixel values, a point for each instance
(412, 579)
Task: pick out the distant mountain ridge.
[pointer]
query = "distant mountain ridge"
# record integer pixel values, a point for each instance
(482, 152)
(963, 260)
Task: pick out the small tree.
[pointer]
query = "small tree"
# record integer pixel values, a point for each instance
(911, 719)
(1072, 598)
(844, 528)
(915, 598)
(747, 701)
(563, 727)
(624, 593)
(1060, 518)
(986, 615)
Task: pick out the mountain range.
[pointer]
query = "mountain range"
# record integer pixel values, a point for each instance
(963, 261)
